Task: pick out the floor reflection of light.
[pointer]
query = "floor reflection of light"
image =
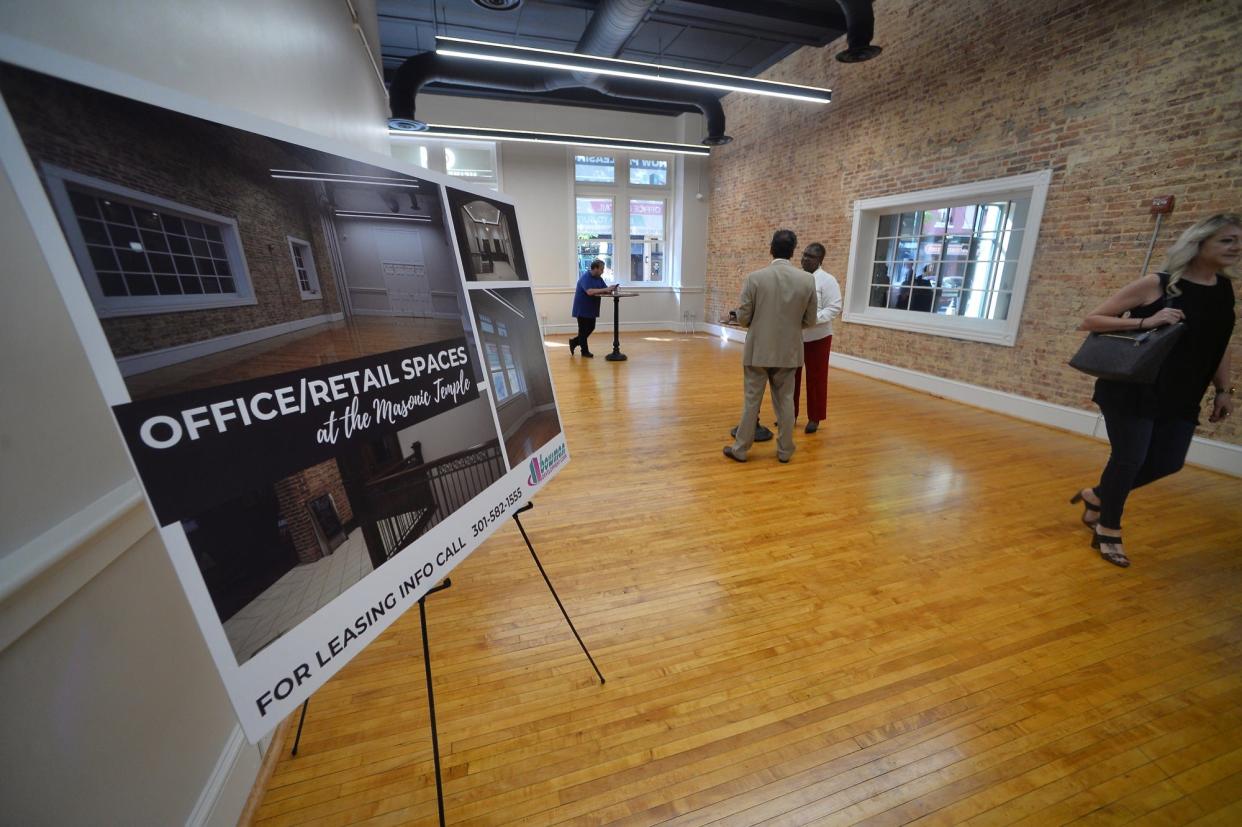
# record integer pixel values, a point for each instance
(657, 339)
(939, 483)
(546, 343)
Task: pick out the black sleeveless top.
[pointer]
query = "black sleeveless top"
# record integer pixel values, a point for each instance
(1185, 375)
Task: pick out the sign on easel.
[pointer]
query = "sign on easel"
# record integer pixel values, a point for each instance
(307, 377)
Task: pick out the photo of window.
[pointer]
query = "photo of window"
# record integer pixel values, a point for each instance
(146, 253)
(516, 368)
(487, 237)
(213, 255)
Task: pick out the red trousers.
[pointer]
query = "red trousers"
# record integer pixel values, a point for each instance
(815, 354)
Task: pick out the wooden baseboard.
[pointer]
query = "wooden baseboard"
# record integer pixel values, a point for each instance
(270, 759)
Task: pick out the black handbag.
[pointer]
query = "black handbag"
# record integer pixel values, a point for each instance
(1132, 356)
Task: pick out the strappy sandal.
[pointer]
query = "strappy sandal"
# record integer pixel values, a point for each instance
(1086, 506)
(1117, 558)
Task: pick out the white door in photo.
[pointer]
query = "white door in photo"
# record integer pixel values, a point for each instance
(409, 293)
(404, 268)
(386, 269)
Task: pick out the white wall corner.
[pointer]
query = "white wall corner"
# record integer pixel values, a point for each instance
(727, 332)
(224, 796)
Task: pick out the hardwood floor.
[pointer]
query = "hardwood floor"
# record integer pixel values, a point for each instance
(905, 624)
(318, 345)
(534, 432)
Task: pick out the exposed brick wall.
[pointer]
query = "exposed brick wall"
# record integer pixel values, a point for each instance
(294, 492)
(191, 162)
(1121, 100)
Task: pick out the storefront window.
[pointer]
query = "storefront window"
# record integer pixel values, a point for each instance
(595, 169)
(595, 233)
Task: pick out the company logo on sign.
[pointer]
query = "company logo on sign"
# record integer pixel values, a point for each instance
(541, 466)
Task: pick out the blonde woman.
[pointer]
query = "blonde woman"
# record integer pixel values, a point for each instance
(1150, 426)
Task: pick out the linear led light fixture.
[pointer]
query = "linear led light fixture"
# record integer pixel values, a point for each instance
(483, 221)
(479, 133)
(571, 62)
(500, 299)
(338, 178)
(421, 219)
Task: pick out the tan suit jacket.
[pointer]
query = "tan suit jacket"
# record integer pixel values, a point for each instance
(777, 302)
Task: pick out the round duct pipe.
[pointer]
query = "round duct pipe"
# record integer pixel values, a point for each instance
(859, 29)
(429, 67)
(612, 24)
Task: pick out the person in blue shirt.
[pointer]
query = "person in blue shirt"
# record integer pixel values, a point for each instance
(586, 305)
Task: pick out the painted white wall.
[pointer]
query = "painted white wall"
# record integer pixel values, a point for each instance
(539, 177)
(114, 713)
(300, 62)
(450, 432)
(113, 710)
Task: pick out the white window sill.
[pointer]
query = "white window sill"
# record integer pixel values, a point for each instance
(173, 306)
(954, 327)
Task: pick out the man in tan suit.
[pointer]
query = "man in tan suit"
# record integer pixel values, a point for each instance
(777, 302)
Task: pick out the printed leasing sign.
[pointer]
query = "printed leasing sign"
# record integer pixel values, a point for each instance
(194, 450)
(319, 446)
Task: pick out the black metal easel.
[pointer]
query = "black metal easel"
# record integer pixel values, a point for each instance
(431, 698)
(552, 589)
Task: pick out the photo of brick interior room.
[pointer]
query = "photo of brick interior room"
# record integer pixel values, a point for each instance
(517, 368)
(487, 237)
(214, 255)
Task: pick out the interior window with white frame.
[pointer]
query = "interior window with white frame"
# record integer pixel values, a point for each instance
(141, 254)
(503, 369)
(621, 214)
(304, 267)
(953, 261)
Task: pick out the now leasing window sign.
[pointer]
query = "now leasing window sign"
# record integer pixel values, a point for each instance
(287, 435)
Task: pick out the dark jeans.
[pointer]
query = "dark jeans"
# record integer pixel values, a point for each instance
(1143, 450)
(586, 325)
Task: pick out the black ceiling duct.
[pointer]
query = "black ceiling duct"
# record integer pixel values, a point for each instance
(429, 67)
(611, 26)
(859, 29)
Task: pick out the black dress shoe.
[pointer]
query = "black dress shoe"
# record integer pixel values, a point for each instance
(728, 452)
(573, 345)
(588, 354)
(762, 434)
(812, 426)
